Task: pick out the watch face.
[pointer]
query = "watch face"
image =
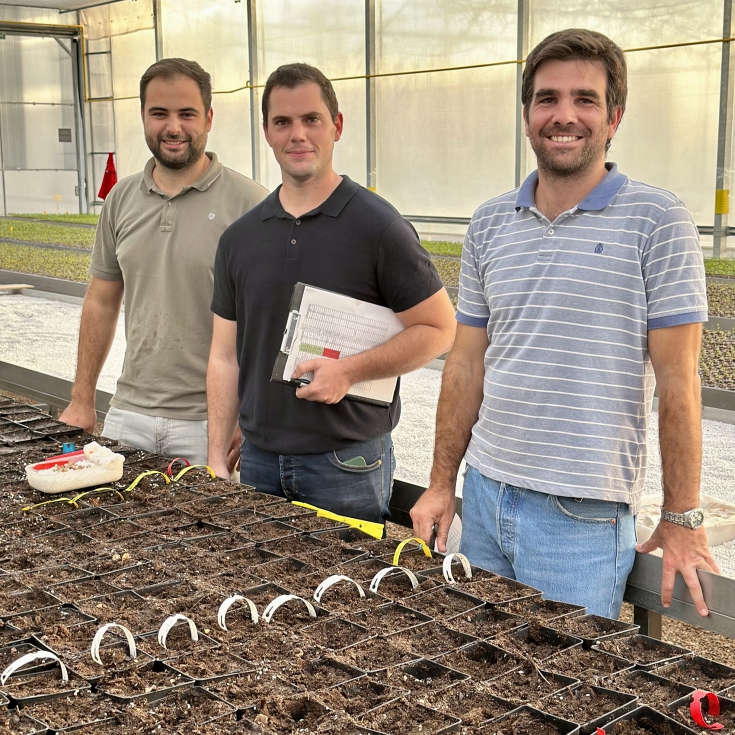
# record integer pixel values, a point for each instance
(696, 518)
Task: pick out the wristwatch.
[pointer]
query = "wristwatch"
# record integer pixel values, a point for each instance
(691, 519)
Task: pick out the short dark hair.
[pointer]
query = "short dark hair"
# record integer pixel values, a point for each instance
(170, 68)
(291, 76)
(576, 44)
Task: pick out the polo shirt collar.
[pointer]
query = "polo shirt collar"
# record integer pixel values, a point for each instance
(598, 198)
(332, 206)
(213, 172)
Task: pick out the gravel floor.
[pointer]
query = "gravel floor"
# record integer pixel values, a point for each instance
(42, 335)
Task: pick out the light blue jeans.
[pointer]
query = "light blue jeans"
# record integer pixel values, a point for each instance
(574, 550)
(326, 480)
(167, 437)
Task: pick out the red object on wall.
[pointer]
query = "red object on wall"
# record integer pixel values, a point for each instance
(109, 179)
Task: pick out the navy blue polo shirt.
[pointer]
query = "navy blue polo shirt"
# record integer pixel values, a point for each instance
(354, 243)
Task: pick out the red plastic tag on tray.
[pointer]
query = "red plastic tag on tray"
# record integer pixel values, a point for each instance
(600, 731)
(170, 469)
(713, 709)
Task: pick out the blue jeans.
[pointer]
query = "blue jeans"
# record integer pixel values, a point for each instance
(574, 550)
(325, 480)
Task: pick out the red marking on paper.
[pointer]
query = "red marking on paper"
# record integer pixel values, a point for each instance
(333, 354)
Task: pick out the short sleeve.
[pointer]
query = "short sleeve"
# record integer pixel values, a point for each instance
(223, 297)
(673, 271)
(472, 308)
(406, 275)
(104, 263)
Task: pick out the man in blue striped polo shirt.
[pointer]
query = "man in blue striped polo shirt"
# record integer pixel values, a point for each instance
(578, 293)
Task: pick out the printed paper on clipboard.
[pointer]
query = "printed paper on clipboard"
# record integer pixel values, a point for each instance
(328, 325)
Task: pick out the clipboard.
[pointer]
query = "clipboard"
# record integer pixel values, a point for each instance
(328, 325)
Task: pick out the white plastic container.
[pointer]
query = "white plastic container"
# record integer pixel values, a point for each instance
(719, 518)
(92, 466)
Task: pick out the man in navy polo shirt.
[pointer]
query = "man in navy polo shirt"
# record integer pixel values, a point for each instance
(578, 293)
(319, 228)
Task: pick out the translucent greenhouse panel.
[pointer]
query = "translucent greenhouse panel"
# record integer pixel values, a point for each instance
(99, 75)
(211, 32)
(103, 125)
(2, 196)
(329, 34)
(34, 191)
(30, 136)
(132, 54)
(630, 23)
(668, 136)
(230, 134)
(117, 18)
(450, 143)
(431, 34)
(131, 148)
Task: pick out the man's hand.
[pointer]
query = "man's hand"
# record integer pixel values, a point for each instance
(685, 551)
(330, 382)
(233, 455)
(432, 515)
(80, 414)
(220, 469)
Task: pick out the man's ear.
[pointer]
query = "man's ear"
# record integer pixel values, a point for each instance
(525, 120)
(210, 115)
(339, 124)
(265, 133)
(614, 122)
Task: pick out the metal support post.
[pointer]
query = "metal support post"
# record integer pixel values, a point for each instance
(77, 65)
(521, 46)
(158, 29)
(253, 77)
(724, 138)
(371, 177)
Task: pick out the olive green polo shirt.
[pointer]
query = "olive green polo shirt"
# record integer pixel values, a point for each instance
(163, 249)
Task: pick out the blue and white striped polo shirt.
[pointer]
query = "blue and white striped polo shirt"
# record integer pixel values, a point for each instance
(567, 305)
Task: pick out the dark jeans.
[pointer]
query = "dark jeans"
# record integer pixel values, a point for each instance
(325, 480)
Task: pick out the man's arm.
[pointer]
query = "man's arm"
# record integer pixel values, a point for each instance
(675, 356)
(429, 332)
(459, 405)
(222, 375)
(100, 311)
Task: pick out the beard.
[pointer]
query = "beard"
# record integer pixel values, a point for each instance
(569, 164)
(177, 161)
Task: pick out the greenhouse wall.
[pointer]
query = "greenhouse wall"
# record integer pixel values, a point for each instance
(428, 88)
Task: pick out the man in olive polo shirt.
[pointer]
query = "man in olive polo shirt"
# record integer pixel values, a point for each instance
(155, 243)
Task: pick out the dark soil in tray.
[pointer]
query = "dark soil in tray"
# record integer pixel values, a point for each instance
(207, 506)
(201, 607)
(421, 677)
(134, 613)
(331, 557)
(311, 522)
(415, 560)
(524, 685)
(82, 519)
(48, 617)
(164, 520)
(374, 654)
(29, 524)
(524, 723)
(334, 633)
(112, 562)
(10, 584)
(230, 582)
(15, 722)
(481, 661)
(297, 714)
(216, 662)
(440, 603)
(265, 644)
(46, 682)
(591, 626)
(581, 704)
(115, 657)
(69, 711)
(641, 650)
(316, 674)
(392, 718)
(696, 673)
(398, 587)
(468, 701)
(726, 717)
(300, 547)
(11, 653)
(25, 601)
(81, 590)
(253, 687)
(588, 666)
(540, 610)
(498, 590)
(187, 708)
(44, 578)
(288, 573)
(138, 680)
(535, 643)
(642, 726)
(388, 618)
(138, 577)
(429, 640)
(217, 544)
(655, 692)
(71, 641)
(183, 589)
(358, 696)
(267, 530)
(484, 624)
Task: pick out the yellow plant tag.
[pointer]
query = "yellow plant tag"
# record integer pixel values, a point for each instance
(376, 530)
(399, 549)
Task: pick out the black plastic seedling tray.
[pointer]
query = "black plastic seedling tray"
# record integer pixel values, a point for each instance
(650, 720)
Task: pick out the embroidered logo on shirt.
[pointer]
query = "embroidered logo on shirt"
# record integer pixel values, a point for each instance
(598, 247)
(211, 215)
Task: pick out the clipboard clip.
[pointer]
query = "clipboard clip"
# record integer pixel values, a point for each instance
(289, 332)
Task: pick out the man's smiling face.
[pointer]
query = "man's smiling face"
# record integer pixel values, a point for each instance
(567, 122)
